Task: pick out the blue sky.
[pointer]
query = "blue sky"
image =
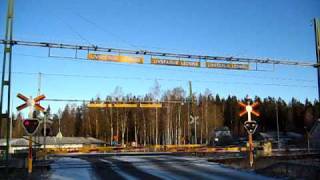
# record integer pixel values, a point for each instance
(251, 28)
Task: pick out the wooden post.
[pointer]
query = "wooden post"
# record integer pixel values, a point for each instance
(30, 156)
(250, 149)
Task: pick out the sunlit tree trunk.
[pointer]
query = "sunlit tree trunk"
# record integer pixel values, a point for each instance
(127, 140)
(179, 125)
(144, 129)
(97, 126)
(111, 126)
(123, 130)
(156, 126)
(117, 124)
(188, 125)
(90, 128)
(123, 127)
(206, 121)
(168, 125)
(176, 130)
(135, 128)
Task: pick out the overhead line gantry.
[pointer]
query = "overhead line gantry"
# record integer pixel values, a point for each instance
(94, 48)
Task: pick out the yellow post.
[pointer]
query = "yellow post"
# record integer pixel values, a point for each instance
(250, 149)
(30, 156)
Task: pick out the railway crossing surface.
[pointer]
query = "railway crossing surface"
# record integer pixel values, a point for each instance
(140, 166)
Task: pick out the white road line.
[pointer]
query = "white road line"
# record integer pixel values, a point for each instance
(149, 167)
(119, 171)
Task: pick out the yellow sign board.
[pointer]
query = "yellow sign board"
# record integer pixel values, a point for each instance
(172, 62)
(114, 58)
(227, 66)
(125, 105)
(93, 105)
(150, 105)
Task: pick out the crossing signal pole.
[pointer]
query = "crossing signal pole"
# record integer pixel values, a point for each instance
(250, 125)
(31, 124)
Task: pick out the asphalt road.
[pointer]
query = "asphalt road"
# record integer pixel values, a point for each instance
(143, 167)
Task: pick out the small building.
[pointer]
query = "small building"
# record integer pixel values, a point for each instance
(22, 144)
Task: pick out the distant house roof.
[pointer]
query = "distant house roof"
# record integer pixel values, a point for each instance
(53, 141)
(14, 142)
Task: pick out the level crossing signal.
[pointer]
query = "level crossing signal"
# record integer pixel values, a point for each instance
(31, 102)
(249, 109)
(31, 126)
(250, 126)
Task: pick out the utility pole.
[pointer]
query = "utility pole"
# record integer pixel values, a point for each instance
(39, 92)
(277, 117)
(45, 116)
(39, 83)
(317, 38)
(191, 115)
(6, 75)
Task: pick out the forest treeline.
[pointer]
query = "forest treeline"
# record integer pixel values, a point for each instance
(171, 123)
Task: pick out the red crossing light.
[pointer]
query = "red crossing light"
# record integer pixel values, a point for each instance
(31, 126)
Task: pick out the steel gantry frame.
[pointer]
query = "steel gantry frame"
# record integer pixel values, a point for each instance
(51, 45)
(6, 76)
(8, 43)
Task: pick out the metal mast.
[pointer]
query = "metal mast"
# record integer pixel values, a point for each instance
(317, 38)
(6, 74)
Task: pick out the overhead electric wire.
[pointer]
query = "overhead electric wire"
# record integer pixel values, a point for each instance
(106, 31)
(166, 79)
(73, 30)
(76, 32)
(117, 36)
(66, 100)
